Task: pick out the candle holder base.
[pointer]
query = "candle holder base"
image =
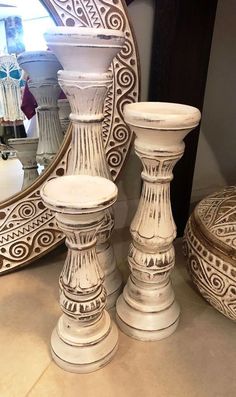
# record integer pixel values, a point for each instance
(84, 351)
(141, 316)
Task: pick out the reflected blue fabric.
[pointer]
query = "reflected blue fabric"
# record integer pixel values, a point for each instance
(3, 75)
(14, 74)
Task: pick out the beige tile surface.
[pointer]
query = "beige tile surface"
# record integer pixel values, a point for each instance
(199, 360)
(28, 311)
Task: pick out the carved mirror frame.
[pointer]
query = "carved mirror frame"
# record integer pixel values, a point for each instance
(27, 229)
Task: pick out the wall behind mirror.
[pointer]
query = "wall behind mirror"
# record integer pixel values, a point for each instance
(22, 24)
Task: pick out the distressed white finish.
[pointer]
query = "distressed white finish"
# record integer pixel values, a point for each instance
(86, 54)
(85, 338)
(147, 309)
(42, 67)
(26, 149)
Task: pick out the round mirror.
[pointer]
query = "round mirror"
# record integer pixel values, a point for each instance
(28, 230)
(34, 113)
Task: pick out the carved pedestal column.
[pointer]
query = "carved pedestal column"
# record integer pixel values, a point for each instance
(86, 54)
(85, 338)
(42, 67)
(26, 149)
(147, 309)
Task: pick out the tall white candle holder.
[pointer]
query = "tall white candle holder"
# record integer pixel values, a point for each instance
(85, 338)
(42, 67)
(26, 149)
(86, 55)
(147, 309)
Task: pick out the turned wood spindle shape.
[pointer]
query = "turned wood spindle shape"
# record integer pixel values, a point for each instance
(42, 67)
(85, 338)
(86, 54)
(147, 309)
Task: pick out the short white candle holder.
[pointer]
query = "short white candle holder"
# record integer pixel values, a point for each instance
(85, 338)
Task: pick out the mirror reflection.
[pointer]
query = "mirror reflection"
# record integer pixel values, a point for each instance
(34, 113)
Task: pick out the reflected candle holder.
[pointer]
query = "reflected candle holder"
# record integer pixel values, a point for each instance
(147, 309)
(42, 67)
(26, 149)
(86, 55)
(85, 338)
(64, 114)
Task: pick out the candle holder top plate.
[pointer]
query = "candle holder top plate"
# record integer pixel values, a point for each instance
(84, 49)
(47, 64)
(79, 194)
(166, 122)
(162, 115)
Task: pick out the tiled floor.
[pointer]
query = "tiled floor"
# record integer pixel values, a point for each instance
(199, 360)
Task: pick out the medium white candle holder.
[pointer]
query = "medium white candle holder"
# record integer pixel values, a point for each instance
(85, 338)
(147, 309)
(86, 55)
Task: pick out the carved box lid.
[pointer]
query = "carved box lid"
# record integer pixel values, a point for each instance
(215, 221)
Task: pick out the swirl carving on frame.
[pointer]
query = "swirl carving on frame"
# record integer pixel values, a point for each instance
(28, 230)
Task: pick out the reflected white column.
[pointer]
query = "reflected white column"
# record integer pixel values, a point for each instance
(42, 67)
(85, 338)
(26, 149)
(86, 55)
(64, 114)
(147, 309)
